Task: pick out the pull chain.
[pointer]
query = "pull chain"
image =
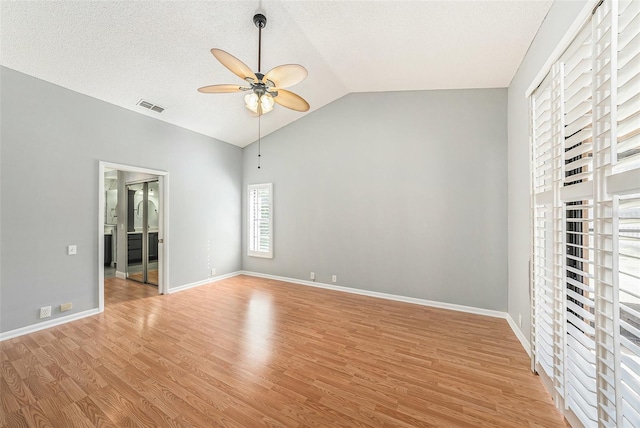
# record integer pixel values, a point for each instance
(259, 155)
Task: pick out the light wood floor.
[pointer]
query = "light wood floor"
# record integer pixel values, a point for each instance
(247, 352)
(118, 290)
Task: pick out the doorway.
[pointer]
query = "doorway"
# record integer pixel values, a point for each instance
(135, 225)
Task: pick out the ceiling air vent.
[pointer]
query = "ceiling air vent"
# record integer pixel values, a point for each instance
(150, 106)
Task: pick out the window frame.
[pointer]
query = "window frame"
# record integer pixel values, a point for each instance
(251, 221)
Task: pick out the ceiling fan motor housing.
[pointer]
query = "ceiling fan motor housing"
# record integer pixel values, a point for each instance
(260, 20)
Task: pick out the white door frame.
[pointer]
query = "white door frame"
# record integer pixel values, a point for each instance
(163, 225)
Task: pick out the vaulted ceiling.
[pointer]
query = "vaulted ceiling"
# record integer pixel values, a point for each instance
(124, 51)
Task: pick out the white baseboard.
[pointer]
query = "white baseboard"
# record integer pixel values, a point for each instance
(203, 282)
(451, 306)
(519, 334)
(121, 275)
(47, 324)
(431, 303)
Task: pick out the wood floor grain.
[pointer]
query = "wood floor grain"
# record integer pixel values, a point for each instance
(248, 352)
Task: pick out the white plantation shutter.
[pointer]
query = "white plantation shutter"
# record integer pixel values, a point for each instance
(542, 139)
(547, 290)
(577, 221)
(261, 220)
(586, 221)
(604, 76)
(629, 305)
(628, 76)
(580, 305)
(626, 129)
(578, 144)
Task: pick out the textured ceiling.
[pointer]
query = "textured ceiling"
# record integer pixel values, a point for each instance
(123, 51)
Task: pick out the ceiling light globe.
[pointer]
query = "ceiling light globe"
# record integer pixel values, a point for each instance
(266, 102)
(251, 101)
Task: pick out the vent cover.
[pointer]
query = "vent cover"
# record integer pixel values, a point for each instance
(151, 106)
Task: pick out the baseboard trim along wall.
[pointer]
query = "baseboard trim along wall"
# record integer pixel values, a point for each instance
(47, 324)
(451, 306)
(519, 334)
(204, 282)
(73, 317)
(121, 275)
(441, 305)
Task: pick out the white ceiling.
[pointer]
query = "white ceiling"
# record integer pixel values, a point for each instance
(123, 51)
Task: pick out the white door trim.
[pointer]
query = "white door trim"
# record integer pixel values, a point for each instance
(163, 225)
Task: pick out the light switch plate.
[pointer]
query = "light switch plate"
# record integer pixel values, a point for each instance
(72, 249)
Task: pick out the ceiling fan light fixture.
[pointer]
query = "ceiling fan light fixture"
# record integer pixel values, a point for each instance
(259, 105)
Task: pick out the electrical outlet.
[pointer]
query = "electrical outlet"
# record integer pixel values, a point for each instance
(313, 276)
(334, 278)
(45, 312)
(66, 307)
(72, 249)
(213, 272)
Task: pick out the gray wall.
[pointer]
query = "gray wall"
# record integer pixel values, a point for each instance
(555, 25)
(52, 141)
(397, 192)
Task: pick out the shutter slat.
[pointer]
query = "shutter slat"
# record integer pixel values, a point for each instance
(630, 364)
(586, 413)
(581, 344)
(581, 372)
(585, 341)
(630, 401)
(632, 347)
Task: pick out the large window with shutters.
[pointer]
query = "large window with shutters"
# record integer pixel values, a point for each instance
(585, 164)
(260, 220)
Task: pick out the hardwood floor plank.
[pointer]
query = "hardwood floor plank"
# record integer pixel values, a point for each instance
(36, 417)
(93, 413)
(15, 385)
(249, 352)
(8, 402)
(14, 420)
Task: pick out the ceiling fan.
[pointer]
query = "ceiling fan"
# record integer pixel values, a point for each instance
(266, 89)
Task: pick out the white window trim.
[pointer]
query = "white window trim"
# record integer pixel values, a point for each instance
(250, 220)
(563, 44)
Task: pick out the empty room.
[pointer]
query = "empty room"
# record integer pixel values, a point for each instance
(320, 213)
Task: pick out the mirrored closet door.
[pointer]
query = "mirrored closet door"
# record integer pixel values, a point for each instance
(142, 232)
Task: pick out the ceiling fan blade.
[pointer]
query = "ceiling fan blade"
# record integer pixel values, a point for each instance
(290, 100)
(286, 75)
(221, 89)
(236, 66)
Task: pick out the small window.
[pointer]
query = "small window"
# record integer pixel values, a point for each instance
(261, 220)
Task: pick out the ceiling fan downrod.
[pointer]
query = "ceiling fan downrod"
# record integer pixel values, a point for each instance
(260, 21)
